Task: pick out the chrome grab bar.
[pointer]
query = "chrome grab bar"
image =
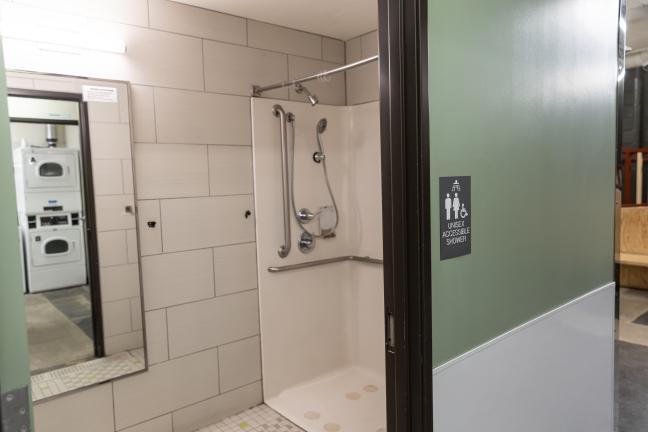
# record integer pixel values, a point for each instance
(298, 266)
(284, 118)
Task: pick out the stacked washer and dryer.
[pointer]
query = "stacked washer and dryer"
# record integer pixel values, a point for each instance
(50, 211)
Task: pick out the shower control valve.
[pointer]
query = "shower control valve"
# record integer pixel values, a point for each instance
(304, 215)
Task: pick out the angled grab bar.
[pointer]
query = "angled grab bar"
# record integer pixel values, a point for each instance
(284, 118)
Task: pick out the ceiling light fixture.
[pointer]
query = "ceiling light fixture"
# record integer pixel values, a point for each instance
(59, 37)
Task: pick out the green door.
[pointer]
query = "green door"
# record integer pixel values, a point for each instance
(14, 361)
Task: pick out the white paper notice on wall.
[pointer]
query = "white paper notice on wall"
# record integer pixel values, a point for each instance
(99, 94)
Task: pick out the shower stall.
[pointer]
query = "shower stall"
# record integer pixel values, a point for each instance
(319, 254)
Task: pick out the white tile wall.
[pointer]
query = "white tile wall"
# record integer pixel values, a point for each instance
(194, 223)
(235, 268)
(112, 248)
(156, 336)
(282, 39)
(330, 92)
(116, 317)
(173, 17)
(240, 363)
(143, 111)
(165, 387)
(150, 227)
(201, 325)
(190, 72)
(160, 424)
(90, 410)
(107, 177)
(234, 69)
(362, 83)
(215, 409)
(119, 282)
(201, 118)
(171, 171)
(176, 278)
(230, 170)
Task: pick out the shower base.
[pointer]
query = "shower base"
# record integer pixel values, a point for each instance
(350, 399)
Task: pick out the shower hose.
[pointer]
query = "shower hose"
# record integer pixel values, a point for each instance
(326, 178)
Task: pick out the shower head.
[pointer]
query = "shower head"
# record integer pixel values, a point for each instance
(311, 97)
(321, 125)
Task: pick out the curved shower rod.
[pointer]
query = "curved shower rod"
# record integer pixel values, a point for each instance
(257, 90)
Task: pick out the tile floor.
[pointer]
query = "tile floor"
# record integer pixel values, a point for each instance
(258, 419)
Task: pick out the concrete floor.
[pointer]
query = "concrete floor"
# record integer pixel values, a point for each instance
(57, 328)
(632, 362)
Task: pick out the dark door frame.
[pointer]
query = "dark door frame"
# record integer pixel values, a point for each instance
(89, 199)
(404, 126)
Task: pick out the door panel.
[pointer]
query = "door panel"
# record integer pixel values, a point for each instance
(14, 361)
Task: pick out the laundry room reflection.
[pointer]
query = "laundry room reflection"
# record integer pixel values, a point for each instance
(79, 332)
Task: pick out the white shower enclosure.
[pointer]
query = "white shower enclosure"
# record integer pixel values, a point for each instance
(322, 327)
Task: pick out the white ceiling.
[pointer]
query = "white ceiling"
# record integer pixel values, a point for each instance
(341, 19)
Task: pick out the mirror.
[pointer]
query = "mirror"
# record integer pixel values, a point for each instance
(78, 230)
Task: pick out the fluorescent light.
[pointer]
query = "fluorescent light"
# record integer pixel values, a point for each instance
(60, 37)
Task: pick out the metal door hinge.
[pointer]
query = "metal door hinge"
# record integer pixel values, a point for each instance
(390, 332)
(14, 411)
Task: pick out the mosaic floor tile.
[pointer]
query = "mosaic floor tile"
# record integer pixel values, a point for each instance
(258, 419)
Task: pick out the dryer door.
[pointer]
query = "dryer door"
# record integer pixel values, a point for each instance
(55, 246)
(43, 171)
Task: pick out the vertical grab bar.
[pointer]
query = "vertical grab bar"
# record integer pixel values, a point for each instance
(284, 118)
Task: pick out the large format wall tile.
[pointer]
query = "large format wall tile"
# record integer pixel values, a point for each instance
(193, 21)
(230, 170)
(143, 109)
(171, 170)
(160, 424)
(235, 268)
(150, 228)
(156, 336)
(240, 363)
(197, 326)
(165, 387)
(201, 118)
(333, 50)
(110, 141)
(282, 39)
(234, 69)
(107, 177)
(112, 248)
(90, 410)
(119, 282)
(215, 409)
(113, 214)
(116, 317)
(194, 223)
(175, 278)
(330, 91)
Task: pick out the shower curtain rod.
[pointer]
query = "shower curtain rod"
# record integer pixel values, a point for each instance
(257, 90)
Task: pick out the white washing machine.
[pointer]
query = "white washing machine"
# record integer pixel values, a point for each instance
(54, 251)
(47, 179)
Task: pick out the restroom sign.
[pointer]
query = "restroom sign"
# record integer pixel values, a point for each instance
(454, 217)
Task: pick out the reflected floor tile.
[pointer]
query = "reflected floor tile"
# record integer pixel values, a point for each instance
(63, 380)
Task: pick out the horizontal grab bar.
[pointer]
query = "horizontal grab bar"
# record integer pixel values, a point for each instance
(364, 259)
